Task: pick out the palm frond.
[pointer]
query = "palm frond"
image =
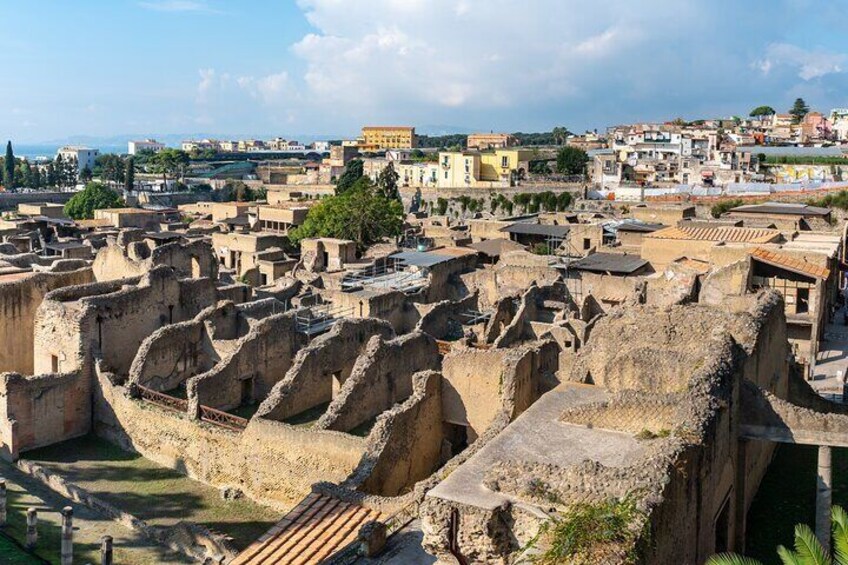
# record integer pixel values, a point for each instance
(840, 534)
(788, 557)
(731, 559)
(808, 548)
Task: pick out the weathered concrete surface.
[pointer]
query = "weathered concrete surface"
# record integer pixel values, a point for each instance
(539, 436)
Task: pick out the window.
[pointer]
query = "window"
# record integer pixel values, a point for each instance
(446, 175)
(587, 243)
(54, 363)
(504, 161)
(802, 301)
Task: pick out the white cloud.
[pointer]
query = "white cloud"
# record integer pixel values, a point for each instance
(417, 56)
(810, 64)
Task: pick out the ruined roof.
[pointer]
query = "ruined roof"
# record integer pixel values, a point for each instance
(617, 263)
(788, 208)
(719, 234)
(790, 263)
(640, 227)
(537, 229)
(495, 247)
(309, 533)
(420, 258)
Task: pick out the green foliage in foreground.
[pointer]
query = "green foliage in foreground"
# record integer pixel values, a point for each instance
(720, 208)
(588, 532)
(360, 214)
(807, 550)
(93, 197)
(835, 200)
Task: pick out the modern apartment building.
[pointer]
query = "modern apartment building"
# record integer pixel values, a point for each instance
(381, 138)
(85, 156)
(134, 147)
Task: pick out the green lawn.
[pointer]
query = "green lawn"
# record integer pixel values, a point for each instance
(159, 496)
(12, 554)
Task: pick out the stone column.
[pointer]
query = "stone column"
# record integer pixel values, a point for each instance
(67, 554)
(31, 528)
(106, 550)
(823, 497)
(2, 502)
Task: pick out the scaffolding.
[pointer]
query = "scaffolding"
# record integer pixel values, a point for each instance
(472, 317)
(317, 319)
(391, 275)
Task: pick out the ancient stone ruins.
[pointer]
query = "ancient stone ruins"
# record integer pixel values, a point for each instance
(452, 401)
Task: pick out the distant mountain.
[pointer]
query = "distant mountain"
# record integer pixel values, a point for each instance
(174, 139)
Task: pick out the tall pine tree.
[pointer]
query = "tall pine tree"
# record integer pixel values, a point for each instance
(9, 167)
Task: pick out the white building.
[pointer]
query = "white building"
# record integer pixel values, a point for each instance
(321, 146)
(85, 156)
(134, 147)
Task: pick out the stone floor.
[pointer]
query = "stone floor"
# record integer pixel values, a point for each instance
(89, 526)
(539, 436)
(832, 358)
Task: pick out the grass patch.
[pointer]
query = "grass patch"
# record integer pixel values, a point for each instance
(12, 554)
(646, 434)
(157, 495)
(591, 533)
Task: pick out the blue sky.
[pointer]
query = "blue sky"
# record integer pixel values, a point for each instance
(285, 67)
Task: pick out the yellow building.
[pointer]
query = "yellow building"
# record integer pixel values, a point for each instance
(500, 168)
(382, 138)
(504, 164)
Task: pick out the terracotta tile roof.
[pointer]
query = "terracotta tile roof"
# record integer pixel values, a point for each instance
(722, 233)
(312, 531)
(787, 262)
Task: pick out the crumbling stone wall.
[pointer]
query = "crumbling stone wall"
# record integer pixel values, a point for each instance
(478, 384)
(262, 356)
(406, 442)
(19, 302)
(128, 256)
(271, 462)
(111, 320)
(381, 377)
(443, 320)
(42, 409)
(172, 354)
(310, 380)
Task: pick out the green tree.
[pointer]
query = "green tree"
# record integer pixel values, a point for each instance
(360, 214)
(173, 162)
(799, 110)
(94, 196)
(762, 112)
(9, 167)
(50, 175)
(387, 182)
(129, 174)
(110, 167)
(807, 551)
(559, 134)
(85, 174)
(571, 161)
(352, 173)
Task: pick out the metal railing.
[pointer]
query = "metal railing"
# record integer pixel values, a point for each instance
(162, 399)
(401, 518)
(223, 419)
(317, 319)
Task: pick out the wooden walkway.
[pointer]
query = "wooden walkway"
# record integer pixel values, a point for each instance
(311, 532)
